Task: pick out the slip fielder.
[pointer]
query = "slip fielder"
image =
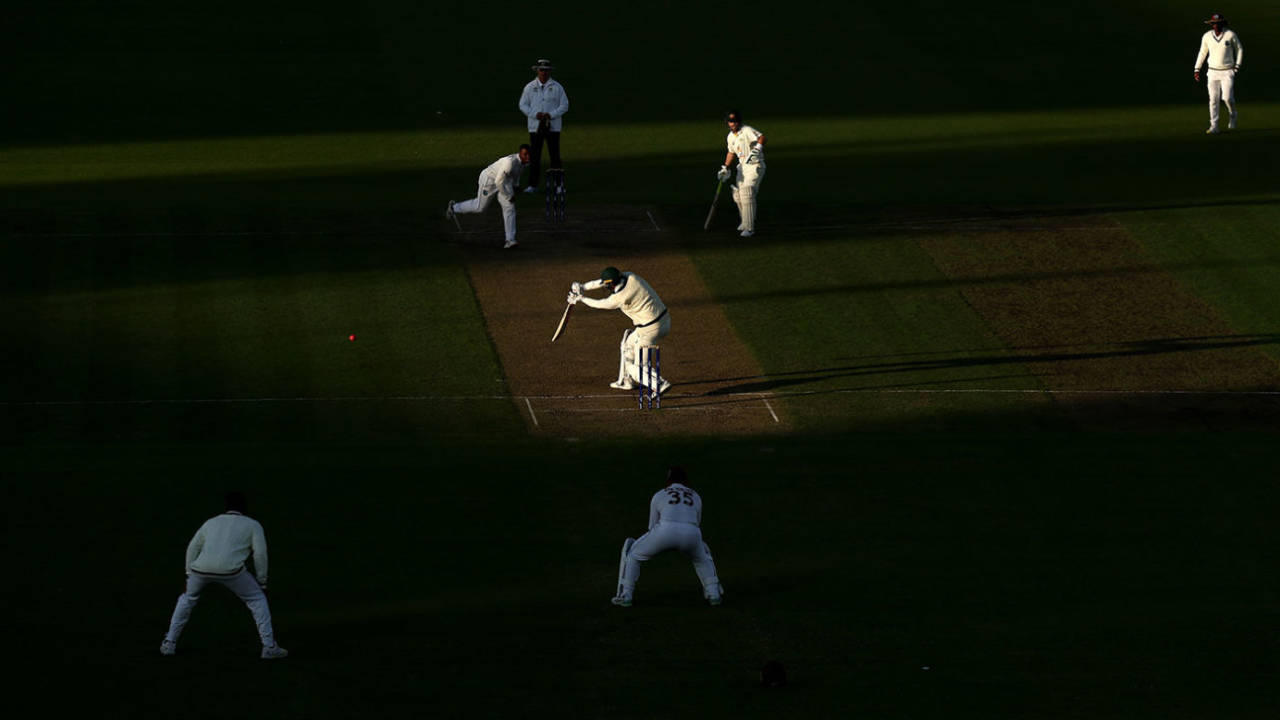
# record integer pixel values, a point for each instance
(629, 293)
(675, 519)
(746, 145)
(1222, 48)
(217, 554)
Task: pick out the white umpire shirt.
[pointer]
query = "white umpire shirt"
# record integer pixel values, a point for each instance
(1224, 51)
(549, 98)
(675, 503)
(223, 544)
(634, 298)
(739, 144)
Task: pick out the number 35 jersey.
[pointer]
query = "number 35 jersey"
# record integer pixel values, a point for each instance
(675, 504)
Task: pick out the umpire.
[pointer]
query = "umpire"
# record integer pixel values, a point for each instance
(543, 102)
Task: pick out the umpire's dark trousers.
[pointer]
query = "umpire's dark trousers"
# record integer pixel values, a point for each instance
(535, 152)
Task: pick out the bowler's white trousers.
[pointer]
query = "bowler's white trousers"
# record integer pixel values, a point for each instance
(685, 537)
(487, 190)
(242, 584)
(1222, 88)
(746, 187)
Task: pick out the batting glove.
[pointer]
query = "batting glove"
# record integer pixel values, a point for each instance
(723, 174)
(573, 298)
(576, 288)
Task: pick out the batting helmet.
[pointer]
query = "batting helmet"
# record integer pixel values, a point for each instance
(733, 116)
(610, 275)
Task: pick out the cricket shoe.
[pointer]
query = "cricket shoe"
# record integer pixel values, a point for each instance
(448, 211)
(1211, 131)
(273, 652)
(621, 601)
(1231, 124)
(509, 244)
(622, 385)
(665, 386)
(168, 647)
(746, 233)
(530, 190)
(715, 601)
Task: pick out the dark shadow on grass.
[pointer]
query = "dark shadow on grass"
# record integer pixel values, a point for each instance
(1015, 356)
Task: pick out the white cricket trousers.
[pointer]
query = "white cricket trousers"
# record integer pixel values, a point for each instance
(746, 186)
(485, 194)
(685, 537)
(1222, 88)
(244, 585)
(633, 340)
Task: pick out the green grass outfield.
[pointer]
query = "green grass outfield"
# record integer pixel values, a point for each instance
(201, 208)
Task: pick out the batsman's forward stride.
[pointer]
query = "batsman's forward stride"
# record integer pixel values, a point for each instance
(629, 293)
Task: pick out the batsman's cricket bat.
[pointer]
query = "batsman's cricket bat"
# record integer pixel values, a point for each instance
(564, 322)
(707, 225)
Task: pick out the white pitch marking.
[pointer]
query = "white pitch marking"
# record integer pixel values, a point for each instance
(530, 406)
(655, 222)
(526, 398)
(770, 408)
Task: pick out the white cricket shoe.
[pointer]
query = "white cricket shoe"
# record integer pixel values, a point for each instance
(531, 189)
(274, 652)
(665, 386)
(746, 233)
(622, 385)
(621, 601)
(1231, 124)
(168, 647)
(1211, 131)
(448, 211)
(715, 601)
(509, 244)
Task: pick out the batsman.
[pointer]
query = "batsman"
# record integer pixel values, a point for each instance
(629, 293)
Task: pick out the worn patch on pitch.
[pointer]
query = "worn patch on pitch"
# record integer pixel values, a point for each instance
(1082, 305)
(562, 389)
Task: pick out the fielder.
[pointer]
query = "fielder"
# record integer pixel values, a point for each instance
(499, 179)
(217, 554)
(746, 145)
(629, 293)
(675, 513)
(1222, 48)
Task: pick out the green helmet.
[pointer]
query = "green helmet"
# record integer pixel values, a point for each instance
(610, 275)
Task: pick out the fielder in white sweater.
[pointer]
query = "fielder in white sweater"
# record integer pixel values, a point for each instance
(498, 180)
(218, 553)
(1222, 48)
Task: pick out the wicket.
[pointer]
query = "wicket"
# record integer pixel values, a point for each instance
(649, 368)
(555, 194)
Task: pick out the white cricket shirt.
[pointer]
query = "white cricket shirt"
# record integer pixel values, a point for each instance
(504, 172)
(675, 503)
(549, 98)
(223, 544)
(740, 143)
(1224, 51)
(634, 298)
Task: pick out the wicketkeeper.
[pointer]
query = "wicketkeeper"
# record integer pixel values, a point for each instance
(675, 517)
(498, 180)
(629, 293)
(746, 145)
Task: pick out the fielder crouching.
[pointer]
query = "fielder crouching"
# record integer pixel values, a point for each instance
(675, 519)
(629, 293)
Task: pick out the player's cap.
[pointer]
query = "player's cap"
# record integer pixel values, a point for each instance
(675, 474)
(610, 275)
(543, 64)
(1216, 19)
(733, 116)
